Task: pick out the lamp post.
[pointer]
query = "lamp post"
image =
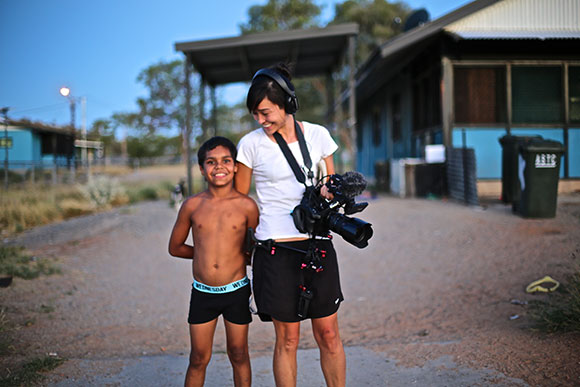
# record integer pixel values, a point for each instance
(65, 92)
(4, 112)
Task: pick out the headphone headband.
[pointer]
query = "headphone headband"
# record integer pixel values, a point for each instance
(292, 103)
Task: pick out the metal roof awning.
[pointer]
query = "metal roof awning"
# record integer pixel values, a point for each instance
(313, 51)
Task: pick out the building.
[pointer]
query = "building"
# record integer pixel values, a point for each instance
(38, 145)
(487, 69)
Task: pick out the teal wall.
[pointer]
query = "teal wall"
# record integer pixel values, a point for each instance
(22, 145)
(488, 151)
(485, 142)
(574, 152)
(369, 153)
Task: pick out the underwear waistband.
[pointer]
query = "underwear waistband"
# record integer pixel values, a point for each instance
(221, 289)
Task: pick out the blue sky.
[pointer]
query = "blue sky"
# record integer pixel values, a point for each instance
(97, 48)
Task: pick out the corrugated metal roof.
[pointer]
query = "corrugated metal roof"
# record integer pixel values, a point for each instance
(521, 19)
(482, 19)
(517, 35)
(419, 34)
(314, 51)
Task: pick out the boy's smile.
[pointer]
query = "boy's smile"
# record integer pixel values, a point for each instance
(219, 166)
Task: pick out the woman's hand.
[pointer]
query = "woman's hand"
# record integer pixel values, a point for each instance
(325, 193)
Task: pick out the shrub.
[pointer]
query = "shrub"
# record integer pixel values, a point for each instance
(101, 191)
(561, 312)
(14, 261)
(74, 207)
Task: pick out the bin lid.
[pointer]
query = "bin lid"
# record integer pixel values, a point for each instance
(543, 145)
(508, 138)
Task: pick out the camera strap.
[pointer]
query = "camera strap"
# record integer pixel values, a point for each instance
(290, 157)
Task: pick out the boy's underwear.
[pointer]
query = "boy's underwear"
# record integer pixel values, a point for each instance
(231, 300)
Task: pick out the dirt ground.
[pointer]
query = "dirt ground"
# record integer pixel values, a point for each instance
(433, 290)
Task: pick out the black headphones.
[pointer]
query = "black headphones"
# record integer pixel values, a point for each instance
(291, 102)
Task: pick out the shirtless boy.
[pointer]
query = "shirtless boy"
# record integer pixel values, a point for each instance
(218, 218)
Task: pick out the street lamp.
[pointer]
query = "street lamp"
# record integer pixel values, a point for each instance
(66, 92)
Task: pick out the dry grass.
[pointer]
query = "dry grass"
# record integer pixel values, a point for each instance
(112, 170)
(561, 311)
(31, 205)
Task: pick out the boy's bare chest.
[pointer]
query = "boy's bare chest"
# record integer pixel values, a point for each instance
(211, 218)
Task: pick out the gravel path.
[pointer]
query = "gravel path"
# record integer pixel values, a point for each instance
(427, 303)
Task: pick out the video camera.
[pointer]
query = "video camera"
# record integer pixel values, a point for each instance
(317, 215)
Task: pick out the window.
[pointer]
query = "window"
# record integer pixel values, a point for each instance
(479, 95)
(46, 143)
(376, 126)
(537, 94)
(6, 142)
(426, 102)
(396, 117)
(49, 140)
(574, 93)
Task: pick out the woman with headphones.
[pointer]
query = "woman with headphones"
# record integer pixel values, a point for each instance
(285, 288)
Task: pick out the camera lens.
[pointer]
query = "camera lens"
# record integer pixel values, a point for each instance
(353, 230)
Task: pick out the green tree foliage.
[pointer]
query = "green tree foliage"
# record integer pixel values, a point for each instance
(152, 145)
(164, 107)
(281, 15)
(284, 15)
(104, 130)
(378, 22)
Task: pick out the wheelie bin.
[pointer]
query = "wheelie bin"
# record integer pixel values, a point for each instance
(538, 175)
(510, 186)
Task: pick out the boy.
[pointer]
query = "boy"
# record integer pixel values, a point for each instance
(218, 218)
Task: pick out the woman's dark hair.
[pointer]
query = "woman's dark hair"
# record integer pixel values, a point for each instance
(264, 86)
(213, 143)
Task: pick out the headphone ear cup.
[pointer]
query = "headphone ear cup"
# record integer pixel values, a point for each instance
(291, 105)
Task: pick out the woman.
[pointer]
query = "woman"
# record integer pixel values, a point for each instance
(277, 272)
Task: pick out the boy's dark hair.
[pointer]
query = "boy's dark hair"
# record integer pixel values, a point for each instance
(263, 86)
(213, 143)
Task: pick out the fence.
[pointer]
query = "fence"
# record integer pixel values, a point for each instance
(61, 171)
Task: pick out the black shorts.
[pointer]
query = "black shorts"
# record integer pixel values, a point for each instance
(234, 306)
(277, 279)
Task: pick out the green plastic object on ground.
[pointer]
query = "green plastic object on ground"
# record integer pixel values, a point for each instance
(538, 174)
(510, 186)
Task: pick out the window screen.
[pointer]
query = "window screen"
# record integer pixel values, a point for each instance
(574, 93)
(536, 94)
(479, 95)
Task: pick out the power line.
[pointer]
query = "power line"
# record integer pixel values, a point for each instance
(41, 108)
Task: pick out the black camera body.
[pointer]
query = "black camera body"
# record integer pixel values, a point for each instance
(318, 216)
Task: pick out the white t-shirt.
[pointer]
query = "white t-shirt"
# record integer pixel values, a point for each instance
(276, 185)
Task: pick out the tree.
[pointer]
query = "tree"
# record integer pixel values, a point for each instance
(164, 108)
(378, 22)
(281, 15)
(104, 130)
(284, 15)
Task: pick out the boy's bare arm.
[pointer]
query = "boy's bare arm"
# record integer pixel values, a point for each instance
(180, 232)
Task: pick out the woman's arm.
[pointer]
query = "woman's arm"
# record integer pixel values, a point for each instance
(329, 161)
(243, 179)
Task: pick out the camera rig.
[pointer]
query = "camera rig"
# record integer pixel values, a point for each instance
(317, 215)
